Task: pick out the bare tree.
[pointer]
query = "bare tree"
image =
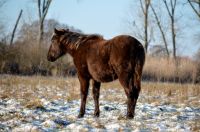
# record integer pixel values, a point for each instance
(15, 27)
(197, 2)
(161, 29)
(2, 2)
(145, 9)
(43, 7)
(2, 26)
(171, 8)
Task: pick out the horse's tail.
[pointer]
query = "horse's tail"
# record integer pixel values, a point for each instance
(138, 67)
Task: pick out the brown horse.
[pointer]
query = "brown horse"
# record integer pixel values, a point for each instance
(102, 60)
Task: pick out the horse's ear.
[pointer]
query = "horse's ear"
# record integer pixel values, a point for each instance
(59, 32)
(56, 31)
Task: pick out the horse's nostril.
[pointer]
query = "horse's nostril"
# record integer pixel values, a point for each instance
(51, 58)
(48, 58)
(52, 54)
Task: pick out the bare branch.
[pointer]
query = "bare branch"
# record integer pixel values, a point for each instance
(15, 27)
(195, 1)
(145, 6)
(141, 4)
(196, 12)
(39, 9)
(166, 5)
(46, 10)
(2, 2)
(43, 9)
(175, 2)
(44, 6)
(160, 28)
(172, 6)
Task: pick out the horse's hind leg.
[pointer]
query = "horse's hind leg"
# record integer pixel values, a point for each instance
(84, 85)
(132, 91)
(95, 90)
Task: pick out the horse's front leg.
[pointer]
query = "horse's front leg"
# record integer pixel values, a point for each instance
(95, 90)
(84, 85)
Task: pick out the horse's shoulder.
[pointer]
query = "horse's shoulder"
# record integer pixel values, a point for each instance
(94, 37)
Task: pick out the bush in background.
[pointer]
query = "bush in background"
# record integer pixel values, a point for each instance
(167, 70)
(26, 57)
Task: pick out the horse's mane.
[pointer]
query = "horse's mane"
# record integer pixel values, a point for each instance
(74, 39)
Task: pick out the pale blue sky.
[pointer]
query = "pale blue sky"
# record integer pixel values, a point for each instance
(91, 16)
(106, 17)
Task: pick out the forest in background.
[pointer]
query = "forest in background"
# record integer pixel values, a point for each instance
(23, 52)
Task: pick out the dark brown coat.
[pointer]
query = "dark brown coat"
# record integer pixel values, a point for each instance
(102, 60)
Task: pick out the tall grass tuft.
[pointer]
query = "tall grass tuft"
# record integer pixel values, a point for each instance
(182, 70)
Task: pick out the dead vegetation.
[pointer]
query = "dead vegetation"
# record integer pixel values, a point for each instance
(38, 93)
(24, 57)
(30, 90)
(162, 69)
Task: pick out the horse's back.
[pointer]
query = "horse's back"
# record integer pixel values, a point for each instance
(109, 57)
(126, 48)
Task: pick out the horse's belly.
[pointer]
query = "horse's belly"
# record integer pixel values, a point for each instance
(103, 75)
(105, 78)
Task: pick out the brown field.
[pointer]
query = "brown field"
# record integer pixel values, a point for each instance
(30, 89)
(184, 70)
(53, 102)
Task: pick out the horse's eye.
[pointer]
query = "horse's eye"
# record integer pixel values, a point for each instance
(53, 40)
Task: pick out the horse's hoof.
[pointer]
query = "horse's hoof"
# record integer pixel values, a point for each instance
(80, 115)
(129, 116)
(96, 114)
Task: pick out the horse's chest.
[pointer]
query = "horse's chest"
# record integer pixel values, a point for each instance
(102, 72)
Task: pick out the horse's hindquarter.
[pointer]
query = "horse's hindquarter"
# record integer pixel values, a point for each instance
(98, 61)
(105, 60)
(125, 50)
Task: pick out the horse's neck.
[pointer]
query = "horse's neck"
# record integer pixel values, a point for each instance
(78, 42)
(71, 51)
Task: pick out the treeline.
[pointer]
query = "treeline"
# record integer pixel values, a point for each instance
(26, 54)
(26, 57)
(164, 69)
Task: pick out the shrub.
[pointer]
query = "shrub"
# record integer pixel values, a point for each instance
(167, 70)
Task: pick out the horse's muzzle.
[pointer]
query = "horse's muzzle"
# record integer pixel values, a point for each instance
(51, 59)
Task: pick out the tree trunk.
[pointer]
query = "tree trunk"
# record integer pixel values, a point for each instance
(194, 9)
(146, 31)
(145, 10)
(161, 30)
(15, 27)
(171, 12)
(42, 11)
(173, 37)
(41, 32)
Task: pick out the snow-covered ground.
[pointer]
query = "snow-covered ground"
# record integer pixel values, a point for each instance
(61, 114)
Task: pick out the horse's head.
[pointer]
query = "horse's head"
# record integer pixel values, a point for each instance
(57, 48)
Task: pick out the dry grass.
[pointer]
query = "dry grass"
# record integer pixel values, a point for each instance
(27, 89)
(156, 93)
(166, 69)
(174, 93)
(35, 103)
(30, 90)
